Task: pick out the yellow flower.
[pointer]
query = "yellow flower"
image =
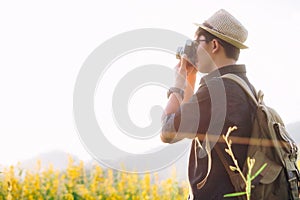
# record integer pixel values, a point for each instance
(94, 184)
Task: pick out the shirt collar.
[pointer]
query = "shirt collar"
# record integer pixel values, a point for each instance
(234, 69)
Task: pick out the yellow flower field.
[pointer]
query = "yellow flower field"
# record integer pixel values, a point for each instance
(76, 183)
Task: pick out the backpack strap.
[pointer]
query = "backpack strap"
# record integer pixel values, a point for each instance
(245, 87)
(235, 177)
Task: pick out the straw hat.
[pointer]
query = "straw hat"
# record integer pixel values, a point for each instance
(224, 26)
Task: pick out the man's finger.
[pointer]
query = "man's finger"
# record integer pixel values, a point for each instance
(184, 60)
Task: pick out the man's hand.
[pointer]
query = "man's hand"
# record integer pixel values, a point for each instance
(185, 78)
(184, 70)
(190, 69)
(180, 75)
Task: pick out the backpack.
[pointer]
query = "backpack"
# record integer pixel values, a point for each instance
(269, 143)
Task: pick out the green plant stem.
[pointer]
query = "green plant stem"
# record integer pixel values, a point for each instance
(230, 152)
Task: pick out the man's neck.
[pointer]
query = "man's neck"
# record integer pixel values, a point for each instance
(225, 62)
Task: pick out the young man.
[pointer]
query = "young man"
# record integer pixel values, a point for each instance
(217, 105)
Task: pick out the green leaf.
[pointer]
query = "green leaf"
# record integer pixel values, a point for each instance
(259, 171)
(235, 194)
(20, 172)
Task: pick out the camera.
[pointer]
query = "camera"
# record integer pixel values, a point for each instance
(190, 50)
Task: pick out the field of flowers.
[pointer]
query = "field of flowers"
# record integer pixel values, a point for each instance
(76, 183)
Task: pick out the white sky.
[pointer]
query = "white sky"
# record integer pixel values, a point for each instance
(44, 43)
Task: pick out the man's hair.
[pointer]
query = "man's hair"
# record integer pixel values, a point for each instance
(230, 50)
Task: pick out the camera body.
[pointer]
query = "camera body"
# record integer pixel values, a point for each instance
(190, 50)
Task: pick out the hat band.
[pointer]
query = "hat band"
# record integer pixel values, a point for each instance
(211, 27)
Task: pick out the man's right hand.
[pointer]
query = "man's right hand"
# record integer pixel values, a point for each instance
(183, 70)
(185, 74)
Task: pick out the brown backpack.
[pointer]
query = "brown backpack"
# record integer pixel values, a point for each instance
(269, 143)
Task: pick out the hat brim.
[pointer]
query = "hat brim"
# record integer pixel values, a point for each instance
(226, 38)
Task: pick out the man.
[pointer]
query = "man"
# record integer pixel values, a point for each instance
(218, 104)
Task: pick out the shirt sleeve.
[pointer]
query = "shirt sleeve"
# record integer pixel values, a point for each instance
(191, 118)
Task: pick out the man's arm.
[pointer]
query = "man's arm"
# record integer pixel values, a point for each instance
(185, 79)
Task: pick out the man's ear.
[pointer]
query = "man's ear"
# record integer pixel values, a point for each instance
(216, 45)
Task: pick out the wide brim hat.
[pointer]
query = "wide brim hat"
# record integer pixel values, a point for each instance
(226, 27)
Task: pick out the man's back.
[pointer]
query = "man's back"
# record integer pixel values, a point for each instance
(239, 112)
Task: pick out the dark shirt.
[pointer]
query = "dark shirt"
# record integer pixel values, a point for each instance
(218, 104)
